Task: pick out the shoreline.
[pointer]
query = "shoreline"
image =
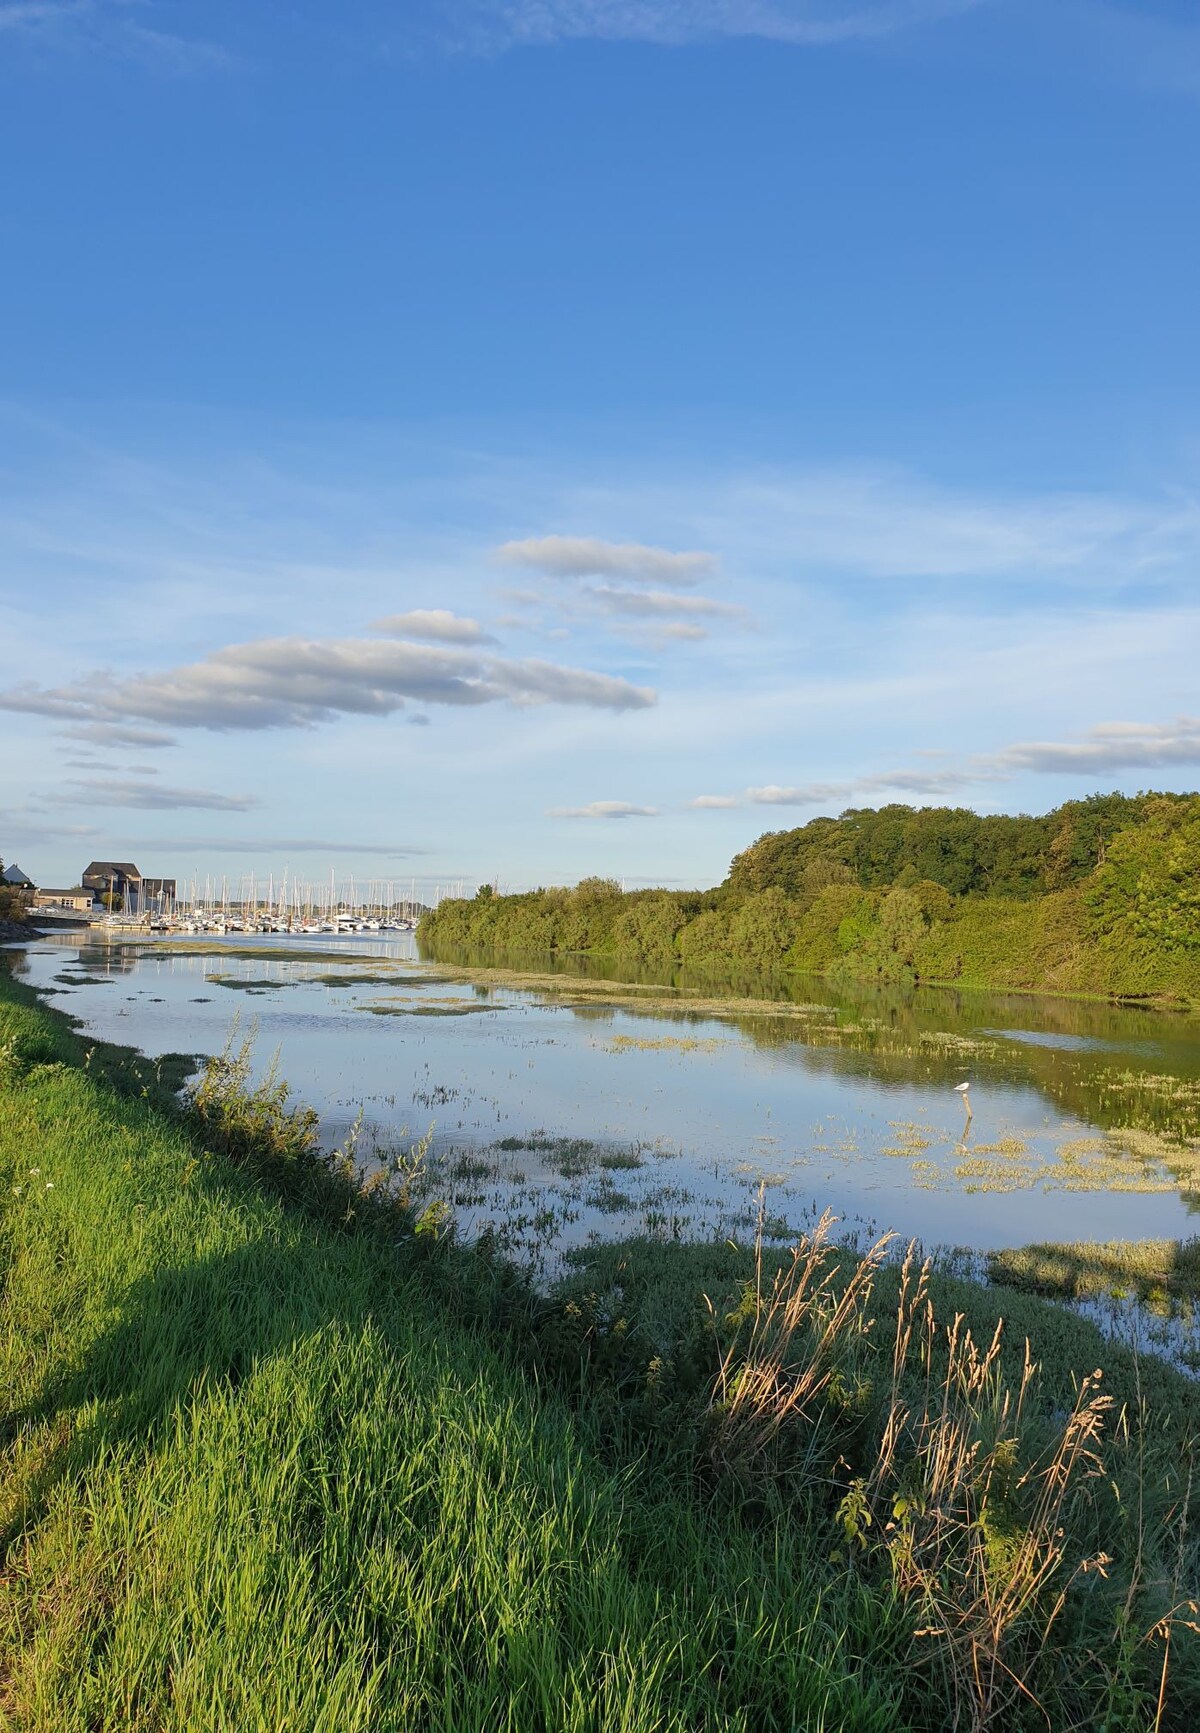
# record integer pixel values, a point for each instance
(279, 1389)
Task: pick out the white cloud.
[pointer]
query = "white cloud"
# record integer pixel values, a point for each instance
(150, 796)
(802, 23)
(714, 802)
(658, 605)
(587, 557)
(281, 845)
(113, 734)
(1110, 746)
(680, 630)
(926, 784)
(1107, 749)
(605, 809)
(436, 624)
(294, 682)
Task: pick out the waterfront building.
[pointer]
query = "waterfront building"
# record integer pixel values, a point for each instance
(78, 900)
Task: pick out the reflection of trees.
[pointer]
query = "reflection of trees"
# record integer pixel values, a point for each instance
(1144, 1072)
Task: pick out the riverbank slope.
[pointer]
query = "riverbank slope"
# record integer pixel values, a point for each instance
(277, 1452)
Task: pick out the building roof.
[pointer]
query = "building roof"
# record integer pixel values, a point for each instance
(125, 868)
(14, 876)
(74, 891)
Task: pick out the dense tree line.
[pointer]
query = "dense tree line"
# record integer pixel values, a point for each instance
(969, 854)
(1100, 896)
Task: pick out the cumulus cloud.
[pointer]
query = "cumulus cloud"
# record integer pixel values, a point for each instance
(606, 809)
(714, 802)
(1110, 746)
(627, 562)
(438, 625)
(150, 796)
(295, 683)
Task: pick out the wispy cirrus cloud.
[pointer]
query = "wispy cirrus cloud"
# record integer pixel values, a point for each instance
(118, 28)
(590, 557)
(883, 522)
(803, 23)
(297, 683)
(606, 809)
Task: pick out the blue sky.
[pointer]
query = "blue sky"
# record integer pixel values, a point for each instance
(510, 439)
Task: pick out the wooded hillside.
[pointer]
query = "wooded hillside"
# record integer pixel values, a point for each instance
(1099, 896)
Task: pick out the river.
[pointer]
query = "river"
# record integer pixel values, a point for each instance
(562, 1102)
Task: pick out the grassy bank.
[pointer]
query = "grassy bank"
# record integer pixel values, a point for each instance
(277, 1453)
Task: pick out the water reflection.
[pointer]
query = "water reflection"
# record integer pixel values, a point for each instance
(1086, 1117)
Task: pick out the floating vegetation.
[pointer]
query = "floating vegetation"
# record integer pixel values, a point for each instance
(243, 984)
(349, 979)
(610, 1200)
(965, 1046)
(911, 1139)
(663, 1044)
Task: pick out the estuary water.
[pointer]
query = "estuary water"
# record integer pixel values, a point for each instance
(562, 1101)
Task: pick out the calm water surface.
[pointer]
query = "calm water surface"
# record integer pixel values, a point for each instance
(595, 1113)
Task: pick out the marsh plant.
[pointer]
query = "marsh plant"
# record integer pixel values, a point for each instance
(938, 1464)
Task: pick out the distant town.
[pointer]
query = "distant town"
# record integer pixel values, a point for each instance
(117, 893)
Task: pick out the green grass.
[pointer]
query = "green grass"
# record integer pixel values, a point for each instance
(1151, 1270)
(253, 1477)
(275, 1454)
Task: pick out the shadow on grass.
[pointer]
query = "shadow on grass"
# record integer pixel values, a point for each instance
(1151, 1270)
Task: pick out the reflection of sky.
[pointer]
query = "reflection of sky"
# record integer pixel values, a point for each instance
(1078, 1043)
(818, 1117)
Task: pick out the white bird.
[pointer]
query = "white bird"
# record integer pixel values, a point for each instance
(961, 1088)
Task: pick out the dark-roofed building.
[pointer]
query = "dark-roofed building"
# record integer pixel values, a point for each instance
(132, 894)
(118, 880)
(16, 880)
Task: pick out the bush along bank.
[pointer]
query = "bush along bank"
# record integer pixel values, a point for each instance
(1097, 898)
(279, 1451)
